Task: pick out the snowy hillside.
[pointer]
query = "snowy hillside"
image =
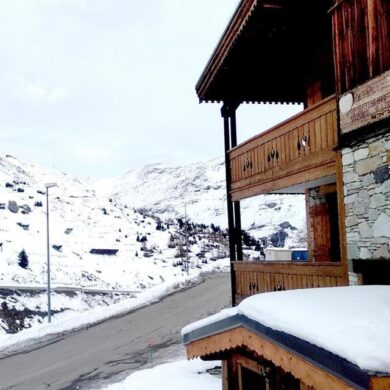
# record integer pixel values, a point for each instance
(165, 191)
(81, 219)
(134, 215)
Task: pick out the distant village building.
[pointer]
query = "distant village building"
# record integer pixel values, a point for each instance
(106, 252)
(334, 58)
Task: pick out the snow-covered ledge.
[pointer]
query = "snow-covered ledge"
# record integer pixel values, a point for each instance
(351, 322)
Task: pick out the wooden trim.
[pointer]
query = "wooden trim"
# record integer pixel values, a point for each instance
(309, 233)
(295, 178)
(300, 368)
(341, 212)
(380, 383)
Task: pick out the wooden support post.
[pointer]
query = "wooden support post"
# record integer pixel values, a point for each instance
(237, 209)
(238, 235)
(225, 375)
(230, 209)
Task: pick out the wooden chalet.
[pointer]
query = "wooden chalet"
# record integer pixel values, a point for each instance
(332, 56)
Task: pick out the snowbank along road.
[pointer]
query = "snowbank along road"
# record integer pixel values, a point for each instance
(101, 354)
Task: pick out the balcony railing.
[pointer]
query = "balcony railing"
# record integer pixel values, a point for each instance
(297, 150)
(265, 276)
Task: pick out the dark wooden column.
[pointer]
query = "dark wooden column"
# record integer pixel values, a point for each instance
(228, 113)
(236, 205)
(230, 209)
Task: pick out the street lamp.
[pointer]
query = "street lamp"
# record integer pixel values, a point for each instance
(47, 186)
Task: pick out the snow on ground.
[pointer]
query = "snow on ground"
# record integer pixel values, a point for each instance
(82, 217)
(180, 375)
(81, 316)
(351, 322)
(107, 214)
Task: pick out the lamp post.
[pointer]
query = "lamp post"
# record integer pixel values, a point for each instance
(186, 231)
(47, 186)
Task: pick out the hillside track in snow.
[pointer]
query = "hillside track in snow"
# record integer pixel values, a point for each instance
(99, 354)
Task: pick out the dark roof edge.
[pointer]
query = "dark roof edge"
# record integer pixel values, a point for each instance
(320, 357)
(234, 26)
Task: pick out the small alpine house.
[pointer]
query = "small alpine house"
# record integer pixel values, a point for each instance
(333, 57)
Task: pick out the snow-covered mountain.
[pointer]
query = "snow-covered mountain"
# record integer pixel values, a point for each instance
(200, 189)
(136, 215)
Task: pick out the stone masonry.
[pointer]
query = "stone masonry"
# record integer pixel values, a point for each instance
(367, 198)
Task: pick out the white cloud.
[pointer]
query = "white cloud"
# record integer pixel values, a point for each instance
(74, 70)
(43, 94)
(36, 91)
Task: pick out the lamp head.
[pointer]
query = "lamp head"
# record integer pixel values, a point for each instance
(50, 185)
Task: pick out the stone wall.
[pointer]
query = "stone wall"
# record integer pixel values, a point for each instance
(367, 198)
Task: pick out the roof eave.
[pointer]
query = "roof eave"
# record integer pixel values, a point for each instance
(232, 31)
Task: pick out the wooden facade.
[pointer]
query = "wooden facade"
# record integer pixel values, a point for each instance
(361, 41)
(315, 53)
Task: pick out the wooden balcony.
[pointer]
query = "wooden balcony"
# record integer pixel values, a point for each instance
(296, 151)
(265, 276)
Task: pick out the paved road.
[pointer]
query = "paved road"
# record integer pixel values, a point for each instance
(89, 357)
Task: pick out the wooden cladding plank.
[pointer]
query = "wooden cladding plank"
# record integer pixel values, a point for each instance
(361, 41)
(317, 129)
(331, 135)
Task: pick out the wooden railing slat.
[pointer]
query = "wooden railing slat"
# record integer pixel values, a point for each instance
(270, 155)
(253, 278)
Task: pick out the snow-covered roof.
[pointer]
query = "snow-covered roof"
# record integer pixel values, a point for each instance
(351, 322)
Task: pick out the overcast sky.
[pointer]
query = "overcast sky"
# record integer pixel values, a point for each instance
(97, 87)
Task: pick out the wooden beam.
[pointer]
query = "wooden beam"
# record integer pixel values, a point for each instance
(225, 375)
(283, 180)
(307, 372)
